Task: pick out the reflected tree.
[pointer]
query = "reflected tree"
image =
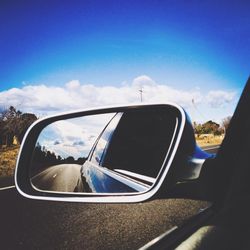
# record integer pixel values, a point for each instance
(43, 158)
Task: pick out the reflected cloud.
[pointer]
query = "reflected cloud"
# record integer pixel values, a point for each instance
(73, 137)
(80, 143)
(56, 142)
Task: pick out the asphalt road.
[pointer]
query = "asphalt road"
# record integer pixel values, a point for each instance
(211, 150)
(32, 224)
(63, 178)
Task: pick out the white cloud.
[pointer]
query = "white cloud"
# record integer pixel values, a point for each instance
(42, 99)
(74, 84)
(219, 98)
(142, 81)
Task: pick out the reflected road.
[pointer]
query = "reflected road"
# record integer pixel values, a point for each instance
(63, 178)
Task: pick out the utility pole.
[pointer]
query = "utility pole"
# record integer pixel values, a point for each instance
(141, 91)
(197, 110)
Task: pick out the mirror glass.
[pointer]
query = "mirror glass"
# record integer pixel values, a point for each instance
(103, 153)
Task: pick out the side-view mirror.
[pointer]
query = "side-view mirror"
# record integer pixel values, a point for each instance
(118, 154)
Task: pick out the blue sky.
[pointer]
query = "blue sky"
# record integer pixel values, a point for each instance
(184, 44)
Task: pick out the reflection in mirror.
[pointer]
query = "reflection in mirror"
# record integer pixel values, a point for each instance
(104, 153)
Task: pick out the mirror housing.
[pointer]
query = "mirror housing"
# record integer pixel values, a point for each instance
(180, 161)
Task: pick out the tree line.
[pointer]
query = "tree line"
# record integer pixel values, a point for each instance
(13, 125)
(43, 158)
(211, 127)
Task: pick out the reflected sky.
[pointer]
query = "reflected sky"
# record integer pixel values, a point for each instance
(73, 137)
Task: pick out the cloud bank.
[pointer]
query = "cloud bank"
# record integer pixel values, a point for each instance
(44, 100)
(219, 98)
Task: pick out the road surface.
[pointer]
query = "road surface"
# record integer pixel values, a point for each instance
(32, 224)
(211, 149)
(61, 178)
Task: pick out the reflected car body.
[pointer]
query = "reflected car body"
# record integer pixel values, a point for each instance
(99, 177)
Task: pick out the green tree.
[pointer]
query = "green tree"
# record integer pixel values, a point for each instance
(225, 122)
(24, 121)
(14, 124)
(198, 129)
(208, 127)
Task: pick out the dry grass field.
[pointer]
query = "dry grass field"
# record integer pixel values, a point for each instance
(8, 157)
(211, 141)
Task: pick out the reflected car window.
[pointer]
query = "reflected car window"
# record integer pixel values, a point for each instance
(140, 142)
(103, 141)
